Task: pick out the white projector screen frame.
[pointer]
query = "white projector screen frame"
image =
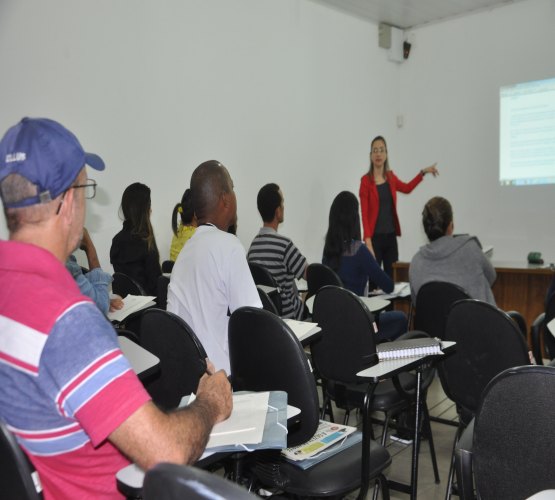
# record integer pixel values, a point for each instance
(527, 133)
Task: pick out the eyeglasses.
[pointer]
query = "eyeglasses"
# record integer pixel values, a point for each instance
(89, 187)
(90, 192)
(378, 150)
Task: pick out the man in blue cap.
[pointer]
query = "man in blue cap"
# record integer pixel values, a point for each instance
(68, 394)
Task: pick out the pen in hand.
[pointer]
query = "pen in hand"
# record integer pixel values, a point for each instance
(210, 369)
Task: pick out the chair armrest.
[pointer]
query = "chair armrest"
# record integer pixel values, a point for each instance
(535, 335)
(463, 463)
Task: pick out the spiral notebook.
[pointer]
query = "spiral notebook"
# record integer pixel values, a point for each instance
(408, 348)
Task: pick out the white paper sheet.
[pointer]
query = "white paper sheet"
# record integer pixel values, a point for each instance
(131, 304)
(245, 424)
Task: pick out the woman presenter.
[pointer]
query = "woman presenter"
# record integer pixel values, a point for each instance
(378, 204)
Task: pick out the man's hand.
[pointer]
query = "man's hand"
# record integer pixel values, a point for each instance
(214, 391)
(116, 303)
(88, 247)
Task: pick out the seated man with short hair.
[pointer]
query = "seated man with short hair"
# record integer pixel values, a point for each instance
(211, 278)
(277, 253)
(95, 283)
(68, 394)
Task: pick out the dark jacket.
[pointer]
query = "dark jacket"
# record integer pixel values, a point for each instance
(129, 254)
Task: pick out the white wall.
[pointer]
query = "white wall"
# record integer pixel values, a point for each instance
(285, 91)
(450, 101)
(281, 91)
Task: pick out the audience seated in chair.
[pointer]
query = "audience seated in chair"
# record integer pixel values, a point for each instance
(211, 277)
(277, 253)
(187, 225)
(95, 283)
(79, 425)
(348, 256)
(134, 251)
(456, 259)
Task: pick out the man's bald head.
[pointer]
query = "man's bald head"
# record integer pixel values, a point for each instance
(209, 182)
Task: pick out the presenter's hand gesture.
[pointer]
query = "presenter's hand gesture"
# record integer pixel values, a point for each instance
(431, 170)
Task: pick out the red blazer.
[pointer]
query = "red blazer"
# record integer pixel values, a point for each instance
(370, 203)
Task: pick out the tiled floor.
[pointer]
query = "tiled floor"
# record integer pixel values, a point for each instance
(443, 435)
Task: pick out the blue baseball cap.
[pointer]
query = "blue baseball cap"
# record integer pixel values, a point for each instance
(45, 153)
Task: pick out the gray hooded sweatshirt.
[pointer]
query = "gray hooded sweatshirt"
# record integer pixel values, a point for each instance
(456, 259)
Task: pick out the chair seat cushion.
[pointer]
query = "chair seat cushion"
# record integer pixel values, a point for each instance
(337, 475)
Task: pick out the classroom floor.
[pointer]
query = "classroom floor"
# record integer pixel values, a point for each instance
(400, 468)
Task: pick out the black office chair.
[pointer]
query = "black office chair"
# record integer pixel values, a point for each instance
(177, 482)
(266, 355)
(18, 478)
(433, 302)
(488, 342)
(512, 450)
(182, 357)
(167, 266)
(123, 285)
(162, 291)
(267, 303)
(347, 347)
(541, 336)
(262, 276)
(319, 275)
(131, 335)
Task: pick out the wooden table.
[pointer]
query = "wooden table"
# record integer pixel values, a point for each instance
(519, 286)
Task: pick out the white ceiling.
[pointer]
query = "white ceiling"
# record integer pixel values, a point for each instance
(411, 13)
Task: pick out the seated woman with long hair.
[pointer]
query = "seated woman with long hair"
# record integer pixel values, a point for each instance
(187, 224)
(349, 257)
(134, 251)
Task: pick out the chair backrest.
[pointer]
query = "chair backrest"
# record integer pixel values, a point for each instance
(176, 482)
(162, 291)
(16, 472)
(266, 355)
(319, 275)
(167, 266)
(267, 302)
(347, 344)
(433, 302)
(262, 276)
(131, 335)
(488, 342)
(513, 452)
(124, 285)
(182, 357)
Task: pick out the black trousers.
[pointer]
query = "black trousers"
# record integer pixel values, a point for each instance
(386, 251)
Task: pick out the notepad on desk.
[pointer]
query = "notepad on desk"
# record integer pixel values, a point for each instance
(400, 289)
(257, 421)
(408, 348)
(131, 304)
(302, 329)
